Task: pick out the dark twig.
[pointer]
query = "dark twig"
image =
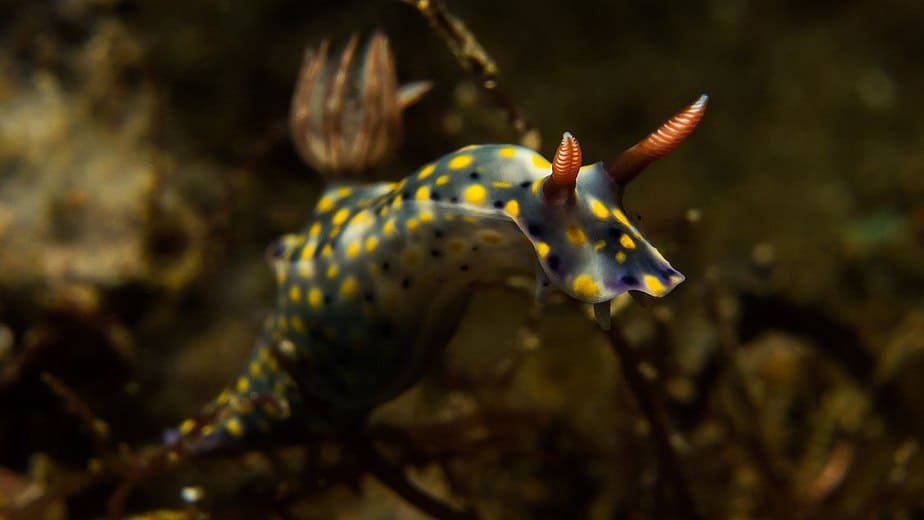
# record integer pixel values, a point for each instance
(477, 62)
(96, 427)
(668, 463)
(395, 478)
(352, 437)
(741, 401)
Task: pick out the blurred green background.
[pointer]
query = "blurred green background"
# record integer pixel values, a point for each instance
(145, 166)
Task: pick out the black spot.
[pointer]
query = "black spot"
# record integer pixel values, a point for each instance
(369, 297)
(405, 283)
(526, 184)
(614, 232)
(391, 200)
(628, 279)
(545, 283)
(554, 262)
(327, 299)
(474, 175)
(667, 273)
(439, 233)
(316, 334)
(434, 195)
(279, 249)
(436, 253)
(498, 204)
(453, 199)
(386, 266)
(534, 230)
(463, 267)
(406, 195)
(474, 248)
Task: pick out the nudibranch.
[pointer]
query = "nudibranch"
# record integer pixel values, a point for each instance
(372, 287)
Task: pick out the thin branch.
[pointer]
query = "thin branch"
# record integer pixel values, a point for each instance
(477, 62)
(668, 462)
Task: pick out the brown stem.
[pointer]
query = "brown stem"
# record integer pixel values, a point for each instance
(668, 463)
(477, 62)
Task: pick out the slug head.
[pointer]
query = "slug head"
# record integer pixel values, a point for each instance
(585, 244)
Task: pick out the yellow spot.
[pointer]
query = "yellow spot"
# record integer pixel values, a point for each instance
(207, 430)
(468, 219)
(281, 320)
(371, 244)
(621, 217)
(599, 210)
(491, 237)
(585, 287)
(332, 271)
(599, 245)
(425, 216)
(542, 249)
(308, 251)
(475, 194)
(383, 211)
(460, 161)
(327, 251)
(186, 427)
(536, 185)
(224, 397)
(575, 235)
(243, 385)
(306, 269)
(315, 298)
(620, 258)
(363, 218)
(653, 285)
(348, 287)
(325, 204)
(352, 249)
(396, 203)
(507, 152)
(389, 227)
(295, 293)
(455, 245)
(297, 324)
(441, 180)
(411, 224)
(411, 257)
(426, 171)
(627, 241)
(344, 191)
(501, 184)
(315, 230)
(512, 208)
(540, 162)
(255, 370)
(423, 193)
(234, 427)
(280, 275)
(340, 216)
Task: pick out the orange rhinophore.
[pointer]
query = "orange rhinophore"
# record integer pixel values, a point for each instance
(659, 143)
(559, 186)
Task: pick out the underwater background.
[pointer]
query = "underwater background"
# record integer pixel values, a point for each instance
(145, 166)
